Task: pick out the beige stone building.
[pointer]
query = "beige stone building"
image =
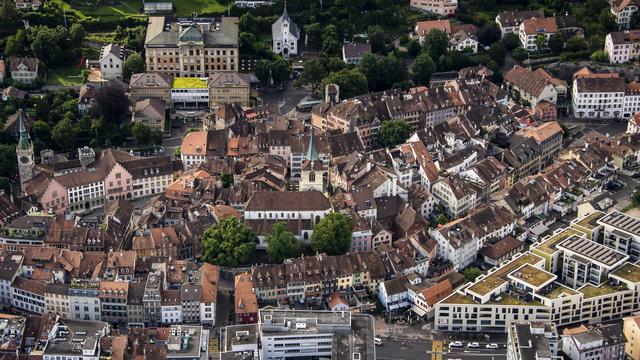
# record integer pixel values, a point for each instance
(56, 299)
(226, 87)
(191, 48)
(150, 86)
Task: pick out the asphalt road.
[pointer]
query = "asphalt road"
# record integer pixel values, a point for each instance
(287, 97)
(404, 350)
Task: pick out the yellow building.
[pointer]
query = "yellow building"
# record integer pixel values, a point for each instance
(227, 87)
(632, 333)
(191, 48)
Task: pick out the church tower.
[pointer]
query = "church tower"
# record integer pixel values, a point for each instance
(24, 152)
(313, 170)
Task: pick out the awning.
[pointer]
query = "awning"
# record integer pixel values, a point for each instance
(418, 310)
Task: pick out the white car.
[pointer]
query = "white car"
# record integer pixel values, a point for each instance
(455, 344)
(473, 345)
(377, 341)
(492, 346)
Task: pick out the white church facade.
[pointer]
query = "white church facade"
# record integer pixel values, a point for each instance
(286, 35)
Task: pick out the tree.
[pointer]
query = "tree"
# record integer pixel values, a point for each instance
(378, 39)
(156, 136)
(519, 54)
(413, 48)
(635, 198)
(634, 23)
(556, 42)
(423, 68)
(77, 33)
(599, 56)
(607, 21)
(8, 11)
(141, 134)
(488, 34)
(381, 71)
(312, 75)
(351, 82)
(17, 44)
(41, 130)
(8, 160)
(5, 184)
(575, 44)
(393, 132)
(228, 243)
(282, 244)
(314, 35)
(247, 22)
(330, 42)
(540, 41)
(436, 43)
(63, 134)
(227, 180)
(471, 273)
(247, 40)
(262, 70)
(442, 219)
(280, 70)
(133, 65)
(112, 104)
(332, 235)
(497, 52)
(511, 41)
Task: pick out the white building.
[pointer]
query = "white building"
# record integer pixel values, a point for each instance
(533, 28)
(10, 269)
(301, 209)
(253, 3)
(111, 62)
(286, 334)
(190, 93)
(394, 294)
(526, 339)
(440, 7)
(509, 21)
(28, 295)
(65, 335)
(171, 307)
(622, 46)
(526, 288)
(623, 10)
(463, 40)
(598, 97)
(84, 303)
(285, 34)
(24, 70)
(606, 342)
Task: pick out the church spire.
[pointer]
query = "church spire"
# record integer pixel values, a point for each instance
(312, 154)
(23, 144)
(285, 13)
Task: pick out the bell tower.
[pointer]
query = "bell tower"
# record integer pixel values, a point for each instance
(24, 152)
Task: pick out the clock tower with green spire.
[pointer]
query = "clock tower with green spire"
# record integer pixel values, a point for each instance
(24, 151)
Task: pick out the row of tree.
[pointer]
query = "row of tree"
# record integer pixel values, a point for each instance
(231, 243)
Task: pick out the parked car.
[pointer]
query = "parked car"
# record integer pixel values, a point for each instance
(492, 346)
(455, 344)
(473, 345)
(377, 341)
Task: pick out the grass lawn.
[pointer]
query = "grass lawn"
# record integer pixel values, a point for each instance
(123, 8)
(186, 7)
(69, 76)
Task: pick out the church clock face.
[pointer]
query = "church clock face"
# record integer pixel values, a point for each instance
(24, 159)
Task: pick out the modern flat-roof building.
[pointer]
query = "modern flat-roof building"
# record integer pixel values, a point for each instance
(288, 334)
(191, 47)
(622, 232)
(565, 279)
(532, 340)
(72, 339)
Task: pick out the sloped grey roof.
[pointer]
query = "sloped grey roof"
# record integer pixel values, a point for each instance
(276, 28)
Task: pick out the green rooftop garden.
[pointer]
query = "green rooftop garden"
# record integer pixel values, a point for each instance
(494, 280)
(549, 246)
(590, 291)
(532, 275)
(189, 83)
(510, 300)
(560, 290)
(590, 221)
(457, 298)
(629, 272)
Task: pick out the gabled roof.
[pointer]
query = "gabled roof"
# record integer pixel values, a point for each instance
(150, 108)
(424, 27)
(277, 26)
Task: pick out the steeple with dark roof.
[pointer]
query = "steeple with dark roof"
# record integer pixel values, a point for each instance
(23, 144)
(312, 153)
